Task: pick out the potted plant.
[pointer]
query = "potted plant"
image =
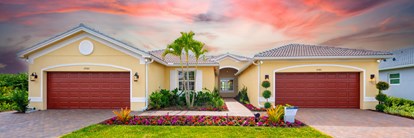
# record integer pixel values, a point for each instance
(290, 113)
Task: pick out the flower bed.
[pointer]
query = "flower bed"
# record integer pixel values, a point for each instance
(202, 121)
(195, 108)
(254, 108)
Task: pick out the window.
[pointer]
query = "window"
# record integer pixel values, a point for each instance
(190, 80)
(227, 85)
(394, 78)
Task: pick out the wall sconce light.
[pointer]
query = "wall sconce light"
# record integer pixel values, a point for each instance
(33, 76)
(266, 77)
(136, 76)
(372, 76)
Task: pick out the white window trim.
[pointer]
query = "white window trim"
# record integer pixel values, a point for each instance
(177, 79)
(389, 78)
(231, 91)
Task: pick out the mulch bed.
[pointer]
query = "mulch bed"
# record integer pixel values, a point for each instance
(390, 114)
(195, 108)
(202, 121)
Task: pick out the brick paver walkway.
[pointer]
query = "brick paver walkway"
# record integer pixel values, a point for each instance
(49, 123)
(356, 123)
(235, 109)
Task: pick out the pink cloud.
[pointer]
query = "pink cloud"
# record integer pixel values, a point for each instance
(179, 8)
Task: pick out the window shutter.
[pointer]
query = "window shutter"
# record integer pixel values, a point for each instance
(199, 80)
(173, 79)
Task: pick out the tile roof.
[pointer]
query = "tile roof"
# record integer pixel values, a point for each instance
(302, 50)
(171, 59)
(401, 58)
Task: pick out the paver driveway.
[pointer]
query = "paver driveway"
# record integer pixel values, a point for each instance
(357, 123)
(49, 123)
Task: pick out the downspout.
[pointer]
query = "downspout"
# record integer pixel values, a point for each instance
(147, 61)
(258, 81)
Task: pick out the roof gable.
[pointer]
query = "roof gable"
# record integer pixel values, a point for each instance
(81, 28)
(229, 55)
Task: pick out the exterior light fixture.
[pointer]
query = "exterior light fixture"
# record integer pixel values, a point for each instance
(136, 76)
(33, 76)
(266, 77)
(372, 76)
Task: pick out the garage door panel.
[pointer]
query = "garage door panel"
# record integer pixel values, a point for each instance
(321, 90)
(88, 90)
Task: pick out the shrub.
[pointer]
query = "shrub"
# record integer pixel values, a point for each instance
(242, 96)
(8, 84)
(20, 99)
(16, 81)
(380, 107)
(275, 114)
(165, 98)
(123, 115)
(382, 86)
(394, 101)
(156, 100)
(218, 102)
(266, 84)
(266, 94)
(267, 105)
(403, 110)
(381, 97)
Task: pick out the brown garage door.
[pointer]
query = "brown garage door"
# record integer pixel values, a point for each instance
(318, 90)
(88, 90)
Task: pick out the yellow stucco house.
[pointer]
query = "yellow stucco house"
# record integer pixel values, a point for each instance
(84, 68)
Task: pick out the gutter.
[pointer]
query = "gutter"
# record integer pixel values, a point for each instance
(397, 67)
(324, 57)
(146, 81)
(258, 81)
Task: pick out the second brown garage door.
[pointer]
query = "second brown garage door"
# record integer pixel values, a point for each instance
(88, 90)
(318, 90)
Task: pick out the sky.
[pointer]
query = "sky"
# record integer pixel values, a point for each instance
(243, 27)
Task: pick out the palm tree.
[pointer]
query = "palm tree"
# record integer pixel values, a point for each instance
(185, 43)
(198, 50)
(176, 49)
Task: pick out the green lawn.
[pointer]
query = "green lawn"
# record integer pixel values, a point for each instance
(192, 131)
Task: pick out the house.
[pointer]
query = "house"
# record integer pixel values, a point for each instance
(398, 71)
(84, 68)
(314, 76)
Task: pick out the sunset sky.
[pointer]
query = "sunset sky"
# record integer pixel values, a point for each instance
(243, 27)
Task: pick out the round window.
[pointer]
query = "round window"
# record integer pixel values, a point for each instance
(86, 47)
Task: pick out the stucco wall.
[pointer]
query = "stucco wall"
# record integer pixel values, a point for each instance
(406, 87)
(156, 77)
(369, 66)
(68, 58)
(249, 79)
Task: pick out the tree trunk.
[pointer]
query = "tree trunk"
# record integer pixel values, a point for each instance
(195, 75)
(182, 72)
(187, 98)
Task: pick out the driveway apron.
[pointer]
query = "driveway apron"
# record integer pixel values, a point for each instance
(354, 123)
(49, 123)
